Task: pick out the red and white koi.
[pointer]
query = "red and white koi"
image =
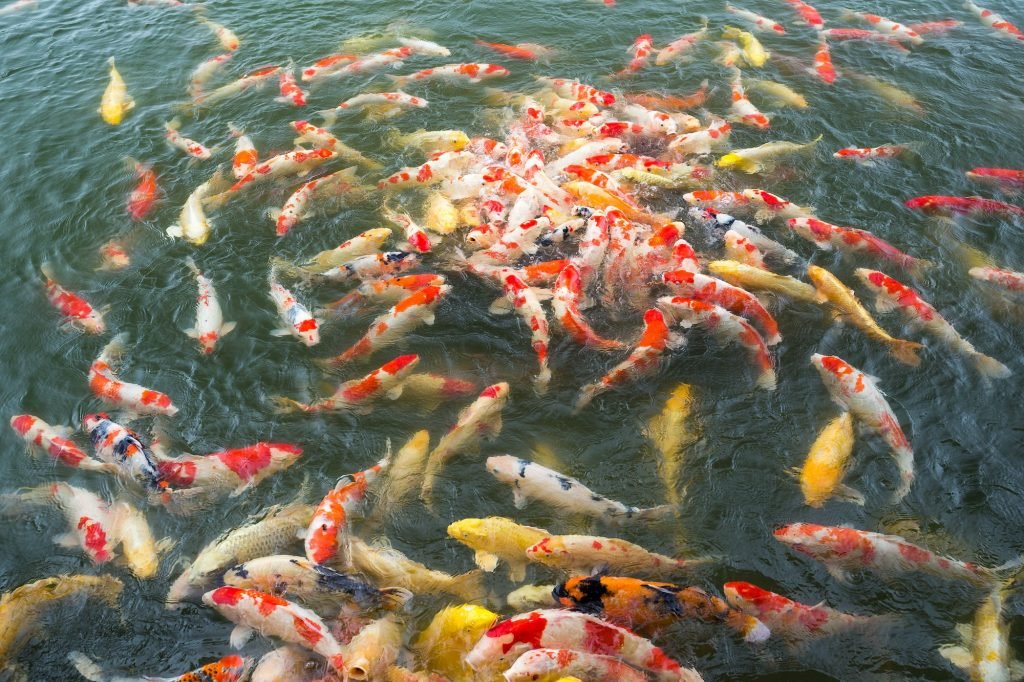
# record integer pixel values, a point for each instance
(440, 167)
(568, 295)
(389, 328)
(849, 240)
(760, 23)
(204, 72)
(751, 234)
(862, 34)
(325, 66)
(392, 57)
(889, 27)
(327, 536)
(561, 663)
(680, 47)
(770, 205)
(291, 93)
(528, 51)
(255, 79)
(245, 157)
(231, 668)
(519, 238)
(274, 617)
(390, 291)
(694, 284)
(994, 21)
(846, 549)
(92, 523)
(823, 67)
(860, 394)
(415, 236)
(472, 73)
(946, 205)
(578, 91)
(788, 618)
(527, 306)
(296, 162)
(868, 154)
(321, 137)
(114, 444)
(179, 141)
(584, 553)
(727, 328)
(114, 255)
(370, 266)
(238, 469)
(718, 200)
(643, 359)
(108, 387)
(56, 442)
(228, 40)
(742, 250)
(144, 195)
(893, 295)
(936, 27)
(1007, 177)
(564, 629)
(76, 310)
(742, 109)
(425, 47)
(1008, 280)
(300, 322)
(810, 16)
(359, 395)
(702, 141)
(640, 50)
(296, 208)
(210, 325)
(397, 99)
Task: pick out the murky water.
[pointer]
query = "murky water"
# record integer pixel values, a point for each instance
(65, 184)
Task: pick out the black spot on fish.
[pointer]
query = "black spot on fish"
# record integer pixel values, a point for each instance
(522, 468)
(239, 571)
(590, 592)
(564, 482)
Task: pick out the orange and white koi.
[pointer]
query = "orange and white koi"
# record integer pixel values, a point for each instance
(321, 137)
(440, 167)
(296, 208)
(742, 109)
(232, 668)
(564, 629)
(415, 236)
(640, 50)
(300, 322)
(719, 200)
(396, 99)
(946, 205)
(1008, 280)
(296, 162)
(144, 195)
(568, 295)
(326, 538)
(389, 328)
(642, 360)
(114, 444)
(237, 469)
(478, 420)
(680, 47)
(519, 238)
(245, 157)
(210, 325)
(364, 243)
(360, 395)
(994, 21)
(770, 205)
(424, 47)
(527, 51)
(849, 240)
(274, 617)
(886, 151)
(370, 266)
(583, 553)
(93, 524)
(860, 394)
(849, 549)
(323, 67)
(472, 73)
(204, 72)
(391, 291)
(56, 442)
(1001, 176)
(76, 310)
(760, 23)
(823, 67)
(936, 27)
(228, 40)
(108, 387)
(255, 79)
(179, 141)
(114, 255)
(889, 27)
(600, 179)
(391, 57)
(528, 307)
(569, 664)
(788, 618)
(576, 90)
(727, 328)
(810, 16)
(693, 284)
(742, 250)
(892, 295)
(291, 93)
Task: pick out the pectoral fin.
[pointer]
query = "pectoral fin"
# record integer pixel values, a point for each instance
(518, 499)
(227, 328)
(67, 540)
(395, 393)
(486, 560)
(280, 332)
(191, 333)
(501, 306)
(958, 656)
(240, 635)
(845, 492)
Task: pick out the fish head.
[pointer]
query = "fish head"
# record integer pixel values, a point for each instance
(23, 423)
(93, 324)
(802, 537)
(506, 468)
(231, 668)
(836, 373)
(96, 424)
(308, 332)
(474, 533)
(746, 596)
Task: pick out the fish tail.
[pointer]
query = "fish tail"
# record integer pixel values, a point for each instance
(111, 62)
(190, 262)
(47, 271)
(394, 598)
(766, 379)
(906, 352)
(285, 267)
(906, 480)
(655, 513)
(283, 405)
(586, 396)
(174, 123)
(468, 586)
(86, 667)
(991, 367)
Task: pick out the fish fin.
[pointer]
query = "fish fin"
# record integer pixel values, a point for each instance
(519, 500)
(486, 560)
(129, 103)
(493, 428)
(501, 306)
(273, 214)
(906, 352)
(280, 332)
(468, 586)
(86, 667)
(191, 333)
(766, 380)
(175, 232)
(845, 492)
(66, 540)
(166, 545)
(394, 598)
(395, 393)
(965, 630)
(240, 635)
(990, 367)
(428, 318)
(957, 655)
(227, 328)
(240, 489)
(517, 571)
(885, 305)
(794, 472)
(838, 574)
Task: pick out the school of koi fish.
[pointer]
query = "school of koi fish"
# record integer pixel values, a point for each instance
(586, 207)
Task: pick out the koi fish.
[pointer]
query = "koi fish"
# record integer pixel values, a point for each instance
(285, 663)
(889, 27)
(1000, 176)
(859, 393)
(846, 549)
(568, 295)
(809, 15)
(76, 310)
(56, 442)
(780, 95)
(763, 157)
(374, 649)
(562, 629)
(415, 236)
(193, 225)
(568, 664)
(368, 267)
(179, 141)
(742, 109)
(760, 23)
(702, 141)
(424, 47)
(114, 444)
(528, 307)
(391, 290)
(846, 302)
(531, 480)
(753, 51)
(300, 322)
(388, 566)
(893, 295)
(789, 618)
(232, 668)
(946, 205)
(640, 50)
(227, 38)
(296, 207)
(321, 137)
(291, 92)
(679, 47)
(393, 100)
(298, 162)
(742, 250)
(642, 360)
(360, 395)
(144, 195)
(116, 102)
(481, 419)
(936, 27)
(327, 536)
(823, 67)
(389, 328)
(992, 20)
(255, 79)
(114, 255)
(574, 89)
(734, 299)
(363, 244)
(12, 7)
(210, 325)
(272, 616)
(762, 280)
(430, 141)
(472, 73)
(582, 553)
(439, 168)
(495, 539)
(106, 385)
(323, 67)
(373, 62)
(821, 475)
(869, 154)
(671, 431)
(669, 102)
(726, 327)
(452, 632)
(91, 521)
(849, 240)
(1008, 280)
(528, 51)
(204, 72)
(989, 657)
(238, 469)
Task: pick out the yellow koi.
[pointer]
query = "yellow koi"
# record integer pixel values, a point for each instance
(671, 431)
(826, 463)
(116, 101)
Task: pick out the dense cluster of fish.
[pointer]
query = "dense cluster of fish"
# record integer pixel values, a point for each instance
(579, 212)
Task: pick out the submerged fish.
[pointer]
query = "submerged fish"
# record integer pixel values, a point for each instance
(116, 101)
